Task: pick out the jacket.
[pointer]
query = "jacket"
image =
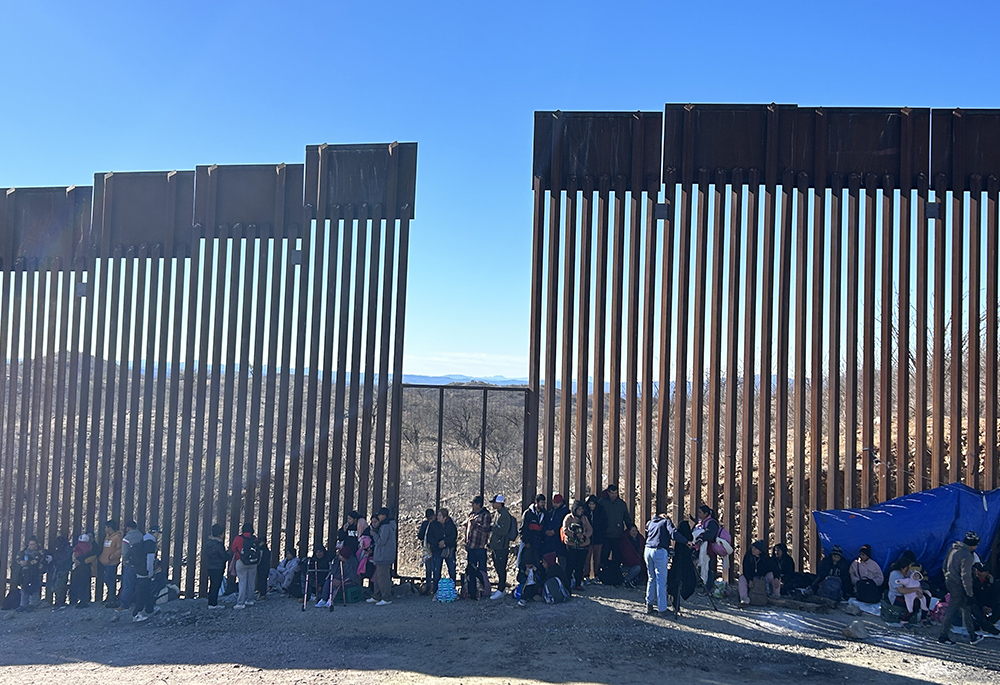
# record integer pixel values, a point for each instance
(631, 550)
(34, 565)
(133, 537)
(214, 556)
(498, 532)
(958, 568)
(111, 555)
(828, 569)
(551, 527)
(754, 566)
(659, 533)
(868, 569)
(617, 519)
(149, 547)
(531, 527)
(783, 566)
(576, 531)
(384, 538)
(478, 528)
(598, 521)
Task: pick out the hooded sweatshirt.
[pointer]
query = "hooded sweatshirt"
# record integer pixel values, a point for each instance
(384, 538)
(754, 566)
(958, 568)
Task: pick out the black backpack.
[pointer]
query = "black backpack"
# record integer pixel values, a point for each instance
(250, 554)
(137, 555)
(611, 574)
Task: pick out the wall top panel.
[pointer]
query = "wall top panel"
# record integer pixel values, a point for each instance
(342, 176)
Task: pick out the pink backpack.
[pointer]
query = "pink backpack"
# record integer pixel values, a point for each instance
(723, 545)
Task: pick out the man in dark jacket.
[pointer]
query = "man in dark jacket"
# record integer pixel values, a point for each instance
(833, 577)
(532, 524)
(617, 521)
(32, 563)
(59, 570)
(552, 542)
(985, 600)
(958, 580)
(214, 559)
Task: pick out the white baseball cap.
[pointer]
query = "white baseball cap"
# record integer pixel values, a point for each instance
(498, 498)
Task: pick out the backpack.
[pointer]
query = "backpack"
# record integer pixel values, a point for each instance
(758, 593)
(723, 545)
(554, 592)
(512, 529)
(611, 574)
(137, 555)
(446, 591)
(831, 588)
(250, 554)
(475, 585)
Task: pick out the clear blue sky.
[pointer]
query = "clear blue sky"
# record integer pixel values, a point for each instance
(124, 86)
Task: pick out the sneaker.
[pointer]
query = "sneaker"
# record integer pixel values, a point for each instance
(216, 606)
(945, 640)
(383, 603)
(371, 600)
(240, 606)
(497, 594)
(744, 600)
(522, 603)
(140, 617)
(322, 604)
(249, 602)
(975, 639)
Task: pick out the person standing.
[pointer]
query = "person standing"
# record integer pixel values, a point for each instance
(427, 554)
(245, 553)
(958, 581)
(383, 556)
(32, 563)
(552, 527)
(598, 522)
(111, 556)
(576, 534)
(617, 521)
(214, 559)
(659, 533)
(263, 568)
(84, 560)
(504, 526)
(532, 521)
(132, 538)
(59, 570)
(144, 606)
(442, 534)
(477, 534)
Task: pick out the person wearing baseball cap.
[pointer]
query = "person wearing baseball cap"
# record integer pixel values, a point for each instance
(502, 533)
(958, 579)
(478, 527)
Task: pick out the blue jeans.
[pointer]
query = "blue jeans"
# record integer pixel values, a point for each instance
(128, 586)
(656, 588)
(632, 572)
(436, 560)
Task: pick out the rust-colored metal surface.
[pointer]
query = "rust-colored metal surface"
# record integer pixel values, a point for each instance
(170, 355)
(812, 389)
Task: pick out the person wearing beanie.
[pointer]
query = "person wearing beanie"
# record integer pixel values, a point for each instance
(986, 602)
(383, 556)
(866, 576)
(502, 533)
(959, 582)
(833, 577)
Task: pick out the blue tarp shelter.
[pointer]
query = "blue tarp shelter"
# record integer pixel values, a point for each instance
(925, 522)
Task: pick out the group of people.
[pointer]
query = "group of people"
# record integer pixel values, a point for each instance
(69, 570)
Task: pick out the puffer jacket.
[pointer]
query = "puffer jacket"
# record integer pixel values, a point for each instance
(958, 567)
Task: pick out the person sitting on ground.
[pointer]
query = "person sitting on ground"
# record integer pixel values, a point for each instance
(556, 581)
(958, 581)
(552, 542)
(383, 556)
(914, 581)
(32, 562)
(427, 552)
(897, 590)
(598, 522)
(756, 568)
(985, 601)
(279, 579)
(632, 545)
(529, 582)
(833, 576)
(343, 574)
(351, 530)
(576, 532)
(317, 568)
(84, 561)
(782, 566)
(866, 577)
(59, 570)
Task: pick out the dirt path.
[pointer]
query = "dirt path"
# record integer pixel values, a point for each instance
(605, 637)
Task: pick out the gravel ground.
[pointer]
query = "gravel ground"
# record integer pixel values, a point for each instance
(602, 637)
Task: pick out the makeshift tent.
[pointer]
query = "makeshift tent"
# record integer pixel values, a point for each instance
(925, 522)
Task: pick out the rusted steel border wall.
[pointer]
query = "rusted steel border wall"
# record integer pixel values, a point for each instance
(168, 350)
(778, 309)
